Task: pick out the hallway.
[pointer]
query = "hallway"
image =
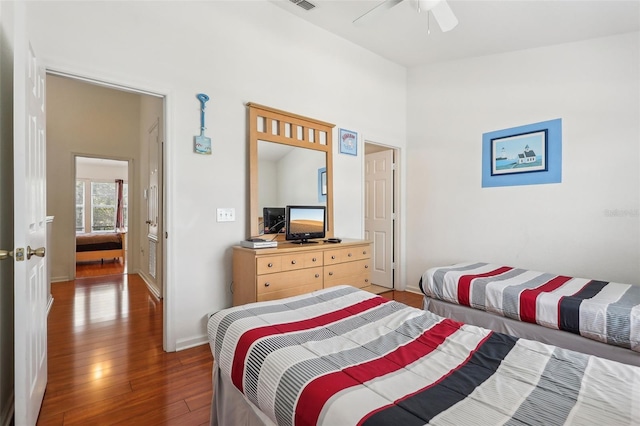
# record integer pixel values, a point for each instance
(106, 363)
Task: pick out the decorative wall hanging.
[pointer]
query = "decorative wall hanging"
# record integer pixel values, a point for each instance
(202, 144)
(322, 185)
(524, 155)
(348, 142)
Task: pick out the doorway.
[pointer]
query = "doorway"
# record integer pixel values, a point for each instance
(381, 212)
(91, 119)
(101, 216)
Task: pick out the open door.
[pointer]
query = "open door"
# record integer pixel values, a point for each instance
(379, 214)
(30, 268)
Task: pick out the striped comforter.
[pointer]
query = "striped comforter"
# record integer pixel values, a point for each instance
(342, 356)
(603, 311)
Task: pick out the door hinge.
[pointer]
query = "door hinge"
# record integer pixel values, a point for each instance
(393, 166)
(393, 265)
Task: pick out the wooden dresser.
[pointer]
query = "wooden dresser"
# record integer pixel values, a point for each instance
(292, 269)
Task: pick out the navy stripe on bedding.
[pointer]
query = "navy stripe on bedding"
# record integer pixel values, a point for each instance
(423, 406)
(569, 309)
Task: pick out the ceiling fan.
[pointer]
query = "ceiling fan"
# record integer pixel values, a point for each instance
(439, 9)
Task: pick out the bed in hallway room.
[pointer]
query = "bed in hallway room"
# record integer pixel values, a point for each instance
(343, 356)
(100, 246)
(596, 317)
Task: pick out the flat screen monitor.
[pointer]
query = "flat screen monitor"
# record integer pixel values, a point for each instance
(304, 223)
(273, 219)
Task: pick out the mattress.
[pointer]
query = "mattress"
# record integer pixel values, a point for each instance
(98, 241)
(607, 312)
(343, 356)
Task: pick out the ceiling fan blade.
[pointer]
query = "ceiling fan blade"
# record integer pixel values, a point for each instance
(385, 5)
(444, 16)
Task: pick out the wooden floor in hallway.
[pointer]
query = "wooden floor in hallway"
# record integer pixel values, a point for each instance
(106, 362)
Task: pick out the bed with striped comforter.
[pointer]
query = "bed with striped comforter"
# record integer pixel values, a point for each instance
(342, 356)
(604, 311)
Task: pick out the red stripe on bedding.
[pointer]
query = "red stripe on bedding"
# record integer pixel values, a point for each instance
(529, 297)
(464, 283)
(251, 336)
(317, 392)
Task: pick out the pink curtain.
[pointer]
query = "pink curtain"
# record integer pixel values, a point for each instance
(120, 205)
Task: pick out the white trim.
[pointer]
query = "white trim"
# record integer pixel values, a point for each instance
(168, 329)
(150, 284)
(191, 342)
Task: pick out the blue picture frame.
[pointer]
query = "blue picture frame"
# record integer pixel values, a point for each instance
(348, 142)
(523, 155)
(322, 185)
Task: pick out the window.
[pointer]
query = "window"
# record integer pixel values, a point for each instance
(96, 204)
(103, 206)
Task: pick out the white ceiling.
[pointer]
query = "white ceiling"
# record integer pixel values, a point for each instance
(485, 27)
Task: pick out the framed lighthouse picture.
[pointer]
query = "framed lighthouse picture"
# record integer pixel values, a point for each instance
(524, 155)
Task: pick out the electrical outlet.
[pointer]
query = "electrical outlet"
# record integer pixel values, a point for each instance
(226, 215)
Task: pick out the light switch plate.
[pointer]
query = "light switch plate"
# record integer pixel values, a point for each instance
(226, 215)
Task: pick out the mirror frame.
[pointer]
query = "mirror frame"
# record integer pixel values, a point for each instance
(283, 127)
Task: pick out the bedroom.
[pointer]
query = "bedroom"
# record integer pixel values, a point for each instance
(591, 84)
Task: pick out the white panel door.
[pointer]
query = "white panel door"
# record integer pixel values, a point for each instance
(378, 220)
(30, 268)
(153, 203)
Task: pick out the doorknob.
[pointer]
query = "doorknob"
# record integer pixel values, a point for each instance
(148, 222)
(37, 252)
(4, 254)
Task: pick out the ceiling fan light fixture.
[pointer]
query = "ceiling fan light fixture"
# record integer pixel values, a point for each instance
(427, 4)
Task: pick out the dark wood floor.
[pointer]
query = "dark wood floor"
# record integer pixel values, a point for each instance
(106, 363)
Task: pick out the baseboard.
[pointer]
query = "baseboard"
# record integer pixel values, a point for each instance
(413, 289)
(6, 416)
(192, 342)
(150, 285)
(60, 279)
(49, 304)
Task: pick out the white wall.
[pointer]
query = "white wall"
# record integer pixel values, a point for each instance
(586, 226)
(108, 170)
(235, 52)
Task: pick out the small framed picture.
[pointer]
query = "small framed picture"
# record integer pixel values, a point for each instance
(348, 142)
(322, 185)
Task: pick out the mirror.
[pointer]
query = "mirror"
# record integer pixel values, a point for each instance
(290, 161)
(288, 175)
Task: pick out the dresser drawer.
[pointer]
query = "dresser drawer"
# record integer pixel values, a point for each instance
(301, 260)
(360, 281)
(347, 269)
(286, 280)
(268, 265)
(348, 254)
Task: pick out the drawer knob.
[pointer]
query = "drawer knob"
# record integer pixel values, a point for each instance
(267, 284)
(366, 280)
(333, 256)
(293, 262)
(330, 273)
(270, 265)
(314, 259)
(364, 252)
(349, 255)
(366, 266)
(317, 275)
